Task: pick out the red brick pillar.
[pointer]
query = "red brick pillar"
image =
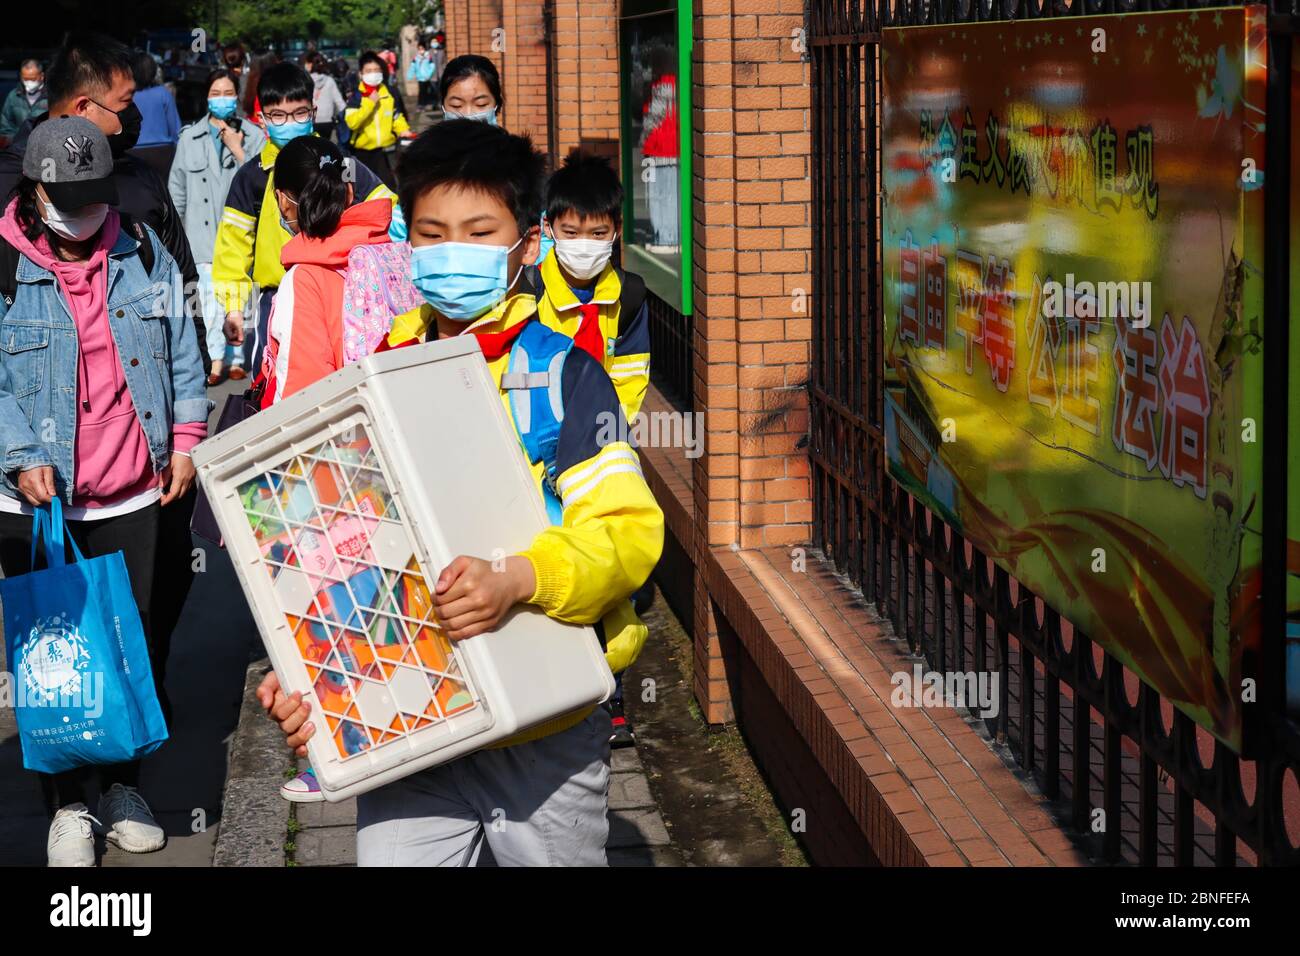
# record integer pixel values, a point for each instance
(523, 65)
(586, 81)
(752, 260)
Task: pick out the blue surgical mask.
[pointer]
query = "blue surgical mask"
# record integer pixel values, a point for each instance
(281, 135)
(547, 242)
(289, 225)
(463, 280)
(488, 116)
(222, 107)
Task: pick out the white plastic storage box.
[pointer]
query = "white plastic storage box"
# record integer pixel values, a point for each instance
(340, 505)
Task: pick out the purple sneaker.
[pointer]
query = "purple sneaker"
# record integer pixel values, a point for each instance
(303, 788)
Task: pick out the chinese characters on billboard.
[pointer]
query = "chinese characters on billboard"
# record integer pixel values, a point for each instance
(1072, 246)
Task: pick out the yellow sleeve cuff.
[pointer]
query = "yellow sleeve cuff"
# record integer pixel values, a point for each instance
(552, 578)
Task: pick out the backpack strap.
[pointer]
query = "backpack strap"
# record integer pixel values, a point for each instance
(630, 298)
(533, 380)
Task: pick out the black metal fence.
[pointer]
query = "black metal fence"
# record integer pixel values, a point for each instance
(1094, 736)
(671, 352)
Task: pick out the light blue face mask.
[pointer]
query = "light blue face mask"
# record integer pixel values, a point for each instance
(463, 280)
(547, 242)
(222, 107)
(488, 116)
(397, 231)
(281, 135)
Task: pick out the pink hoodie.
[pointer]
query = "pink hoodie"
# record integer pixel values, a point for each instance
(110, 454)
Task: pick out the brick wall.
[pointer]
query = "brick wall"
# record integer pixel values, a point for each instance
(523, 66)
(752, 215)
(586, 81)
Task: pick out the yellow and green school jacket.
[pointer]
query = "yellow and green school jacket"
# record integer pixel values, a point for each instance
(624, 340)
(250, 237)
(375, 124)
(612, 530)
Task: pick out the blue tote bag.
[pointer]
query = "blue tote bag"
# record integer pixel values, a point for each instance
(82, 685)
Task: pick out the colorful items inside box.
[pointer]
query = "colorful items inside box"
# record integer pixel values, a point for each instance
(342, 563)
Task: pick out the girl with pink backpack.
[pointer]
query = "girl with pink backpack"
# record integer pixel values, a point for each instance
(345, 281)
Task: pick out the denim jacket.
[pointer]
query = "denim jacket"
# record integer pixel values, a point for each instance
(155, 340)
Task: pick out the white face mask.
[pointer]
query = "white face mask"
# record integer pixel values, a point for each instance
(76, 227)
(31, 86)
(583, 258)
(372, 79)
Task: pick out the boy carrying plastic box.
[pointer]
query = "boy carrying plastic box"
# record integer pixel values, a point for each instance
(471, 195)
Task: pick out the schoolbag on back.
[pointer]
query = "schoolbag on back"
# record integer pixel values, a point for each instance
(376, 289)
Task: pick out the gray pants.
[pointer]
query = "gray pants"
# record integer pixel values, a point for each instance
(541, 803)
(661, 194)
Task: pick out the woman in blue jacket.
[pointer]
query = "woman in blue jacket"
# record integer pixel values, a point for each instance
(159, 121)
(208, 153)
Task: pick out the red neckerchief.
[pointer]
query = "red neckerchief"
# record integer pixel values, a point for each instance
(493, 344)
(588, 337)
(497, 344)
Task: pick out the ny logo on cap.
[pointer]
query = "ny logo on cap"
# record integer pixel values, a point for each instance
(79, 153)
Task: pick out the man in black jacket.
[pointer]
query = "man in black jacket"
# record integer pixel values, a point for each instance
(91, 76)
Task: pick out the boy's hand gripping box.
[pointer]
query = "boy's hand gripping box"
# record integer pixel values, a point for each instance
(340, 505)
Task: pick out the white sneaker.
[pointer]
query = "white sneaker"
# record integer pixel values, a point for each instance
(128, 822)
(72, 841)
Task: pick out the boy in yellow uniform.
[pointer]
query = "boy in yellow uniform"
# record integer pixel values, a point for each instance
(580, 293)
(603, 309)
(376, 118)
(471, 195)
(252, 231)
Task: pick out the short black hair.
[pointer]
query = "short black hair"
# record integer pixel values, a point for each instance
(370, 56)
(145, 70)
(311, 169)
(471, 64)
(85, 66)
(283, 82)
(476, 156)
(586, 185)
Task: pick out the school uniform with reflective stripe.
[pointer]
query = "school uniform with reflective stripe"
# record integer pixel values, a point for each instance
(624, 341)
(375, 124)
(250, 237)
(611, 529)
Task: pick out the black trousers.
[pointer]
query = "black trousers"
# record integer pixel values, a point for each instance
(377, 161)
(138, 536)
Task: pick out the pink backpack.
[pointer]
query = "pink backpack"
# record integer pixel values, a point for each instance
(376, 288)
